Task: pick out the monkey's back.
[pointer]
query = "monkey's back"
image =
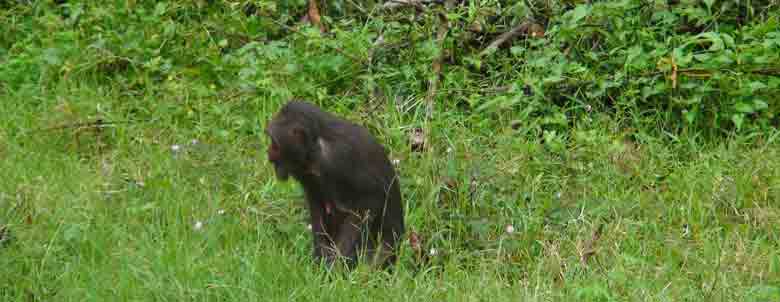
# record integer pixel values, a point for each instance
(372, 171)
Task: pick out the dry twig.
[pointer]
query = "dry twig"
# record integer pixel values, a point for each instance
(394, 4)
(98, 123)
(525, 28)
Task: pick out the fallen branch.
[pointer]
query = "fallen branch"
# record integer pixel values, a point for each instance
(767, 71)
(522, 29)
(419, 5)
(98, 123)
(498, 89)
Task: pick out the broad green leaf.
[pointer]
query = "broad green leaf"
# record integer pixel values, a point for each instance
(714, 38)
(579, 12)
(52, 56)
(759, 105)
(756, 86)
(633, 53)
(690, 116)
(737, 119)
(728, 40)
(744, 107)
(160, 8)
(702, 57)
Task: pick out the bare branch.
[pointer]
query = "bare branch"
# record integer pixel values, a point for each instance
(515, 32)
(419, 5)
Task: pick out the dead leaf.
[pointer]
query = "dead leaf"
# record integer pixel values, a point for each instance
(535, 31)
(414, 241)
(314, 15)
(417, 140)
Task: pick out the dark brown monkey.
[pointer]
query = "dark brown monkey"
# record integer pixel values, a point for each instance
(351, 187)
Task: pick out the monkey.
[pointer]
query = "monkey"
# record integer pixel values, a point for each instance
(350, 186)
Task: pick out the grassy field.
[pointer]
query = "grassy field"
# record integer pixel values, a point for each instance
(132, 168)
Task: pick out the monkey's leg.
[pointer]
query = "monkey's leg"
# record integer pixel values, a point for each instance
(320, 238)
(349, 237)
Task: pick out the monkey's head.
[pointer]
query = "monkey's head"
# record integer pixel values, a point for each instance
(293, 146)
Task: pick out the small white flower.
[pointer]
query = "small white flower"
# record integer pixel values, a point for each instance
(588, 108)
(396, 161)
(449, 149)
(198, 225)
(432, 252)
(194, 142)
(308, 227)
(221, 212)
(510, 229)
(175, 148)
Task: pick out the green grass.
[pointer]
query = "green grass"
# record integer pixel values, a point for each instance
(173, 200)
(119, 222)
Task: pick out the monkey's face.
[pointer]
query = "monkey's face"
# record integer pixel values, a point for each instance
(288, 149)
(275, 157)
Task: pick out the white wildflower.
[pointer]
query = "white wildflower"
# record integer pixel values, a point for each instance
(510, 229)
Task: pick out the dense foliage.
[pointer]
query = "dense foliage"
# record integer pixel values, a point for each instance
(706, 65)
